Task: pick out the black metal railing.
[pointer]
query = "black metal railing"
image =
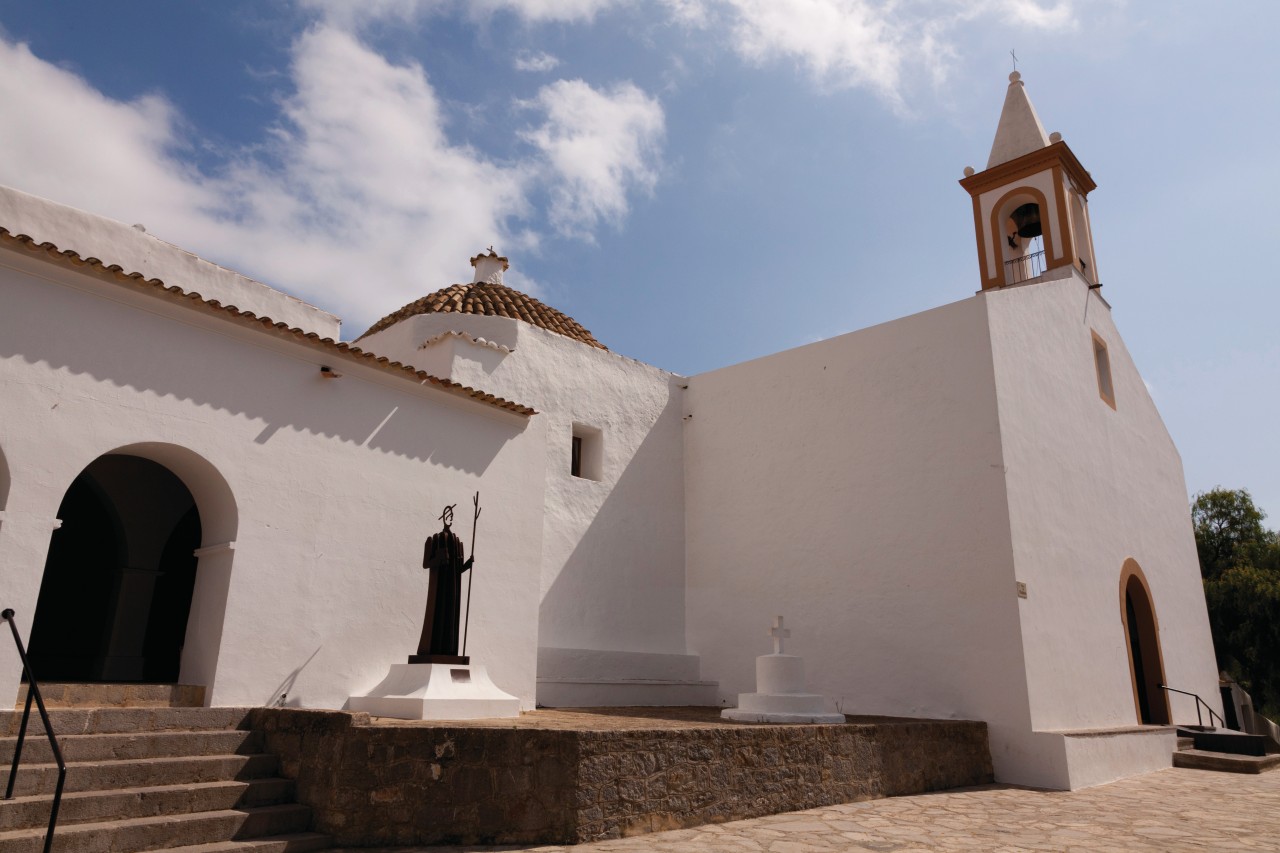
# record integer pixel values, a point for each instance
(33, 691)
(1024, 268)
(1199, 718)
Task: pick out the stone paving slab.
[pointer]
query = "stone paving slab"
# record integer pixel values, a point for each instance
(1171, 811)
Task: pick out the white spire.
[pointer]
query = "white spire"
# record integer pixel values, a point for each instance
(1020, 131)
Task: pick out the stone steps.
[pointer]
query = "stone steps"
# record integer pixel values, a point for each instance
(70, 695)
(1224, 762)
(90, 721)
(120, 746)
(155, 777)
(133, 835)
(102, 775)
(152, 801)
(298, 842)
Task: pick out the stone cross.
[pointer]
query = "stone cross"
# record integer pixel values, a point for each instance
(779, 634)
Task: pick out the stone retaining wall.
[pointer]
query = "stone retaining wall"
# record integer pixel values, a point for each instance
(395, 784)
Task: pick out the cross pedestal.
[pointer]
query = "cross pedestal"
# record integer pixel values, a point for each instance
(780, 696)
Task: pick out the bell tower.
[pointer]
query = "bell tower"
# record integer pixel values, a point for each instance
(1030, 207)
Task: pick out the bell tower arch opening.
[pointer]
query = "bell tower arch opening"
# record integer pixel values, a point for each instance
(1018, 221)
(128, 594)
(1083, 236)
(1142, 641)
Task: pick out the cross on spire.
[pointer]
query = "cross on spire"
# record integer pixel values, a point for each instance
(779, 634)
(1014, 54)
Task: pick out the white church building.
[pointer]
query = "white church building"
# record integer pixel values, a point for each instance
(974, 512)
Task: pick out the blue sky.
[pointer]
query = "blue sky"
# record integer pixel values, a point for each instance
(698, 182)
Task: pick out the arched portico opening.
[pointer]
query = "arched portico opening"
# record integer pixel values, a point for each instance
(1142, 639)
(126, 579)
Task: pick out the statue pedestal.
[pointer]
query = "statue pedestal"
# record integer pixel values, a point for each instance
(780, 696)
(437, 691)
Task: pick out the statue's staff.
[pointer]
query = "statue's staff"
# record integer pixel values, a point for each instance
(472, 576)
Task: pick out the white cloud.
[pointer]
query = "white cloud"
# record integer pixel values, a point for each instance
(371, 189)
(1056, 16)
(537, 62)
(358, 199)
(846, 42)
(546, 10)
(859, 43)
(60, 138)
(349, 14)
(601, 145)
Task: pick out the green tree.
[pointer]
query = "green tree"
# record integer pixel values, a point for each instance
(1229, 531)
(1240, 563)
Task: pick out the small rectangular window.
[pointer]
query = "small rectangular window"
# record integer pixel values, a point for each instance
(1102, 364)
(586, 452)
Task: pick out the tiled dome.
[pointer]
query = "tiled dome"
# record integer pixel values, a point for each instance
(495, 300)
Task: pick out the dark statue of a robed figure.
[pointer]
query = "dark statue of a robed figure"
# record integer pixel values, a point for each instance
(444, 555)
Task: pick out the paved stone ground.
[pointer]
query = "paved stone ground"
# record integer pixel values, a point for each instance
(1172, 810)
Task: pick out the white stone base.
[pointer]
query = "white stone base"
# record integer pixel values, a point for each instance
(591, 693)
(780, 708)
(591, 678)
(780, 680)
(437, 691)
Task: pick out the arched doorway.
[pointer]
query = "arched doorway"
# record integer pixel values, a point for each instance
(1142, 639)
(119, 577)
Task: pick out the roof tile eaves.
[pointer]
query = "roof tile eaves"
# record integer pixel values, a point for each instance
(489, 299)
(312, 338)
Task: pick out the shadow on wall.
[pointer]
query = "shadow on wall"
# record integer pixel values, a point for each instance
(280, 697)
(622, 586)
(282, 391)
(4, 480)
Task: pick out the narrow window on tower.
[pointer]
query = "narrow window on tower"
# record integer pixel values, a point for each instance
(1102, 364)
(575, 464)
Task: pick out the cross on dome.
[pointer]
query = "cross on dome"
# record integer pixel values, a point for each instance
(779, 634)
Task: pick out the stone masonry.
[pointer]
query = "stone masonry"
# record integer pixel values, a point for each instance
(575, 776)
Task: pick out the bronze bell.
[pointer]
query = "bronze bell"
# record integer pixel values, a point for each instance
(1027, 220)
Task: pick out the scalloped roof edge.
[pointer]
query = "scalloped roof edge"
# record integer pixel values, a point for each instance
(194, 300)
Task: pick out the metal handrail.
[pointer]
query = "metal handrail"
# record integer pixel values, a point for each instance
(1024, 268)
(33, 691)
(1199, 702)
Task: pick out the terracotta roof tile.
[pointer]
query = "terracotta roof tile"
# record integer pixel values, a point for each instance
(493, 300)
(196, 301)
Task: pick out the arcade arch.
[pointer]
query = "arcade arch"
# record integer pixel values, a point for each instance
(135, 582)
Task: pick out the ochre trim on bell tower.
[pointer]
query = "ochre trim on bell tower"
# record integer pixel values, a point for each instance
(1040, 170)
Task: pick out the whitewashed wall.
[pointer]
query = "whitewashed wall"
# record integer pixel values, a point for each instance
(326, 487)
(613, 573)
(1089, 487)
(856, 487)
